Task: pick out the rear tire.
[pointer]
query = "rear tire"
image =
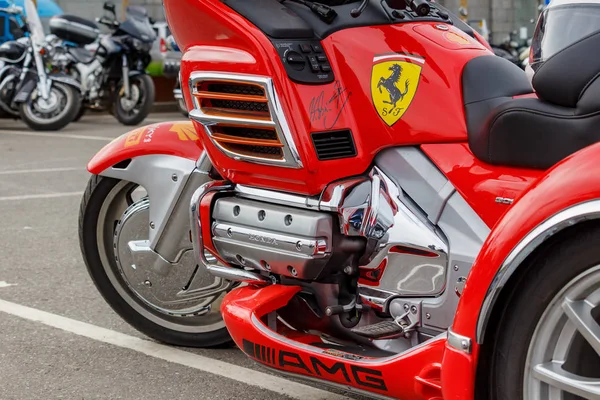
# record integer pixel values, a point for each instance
(70, 101)
(142, 106)
(161, 327)
(533, 312)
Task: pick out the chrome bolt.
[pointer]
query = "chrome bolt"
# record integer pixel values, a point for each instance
(229, 232)
(147, 283)
(174, 177)
(406, 307)
(464, 345)
(413, 309)
(428, 316)
(456, 267)
(299, 246)
(267, 267)
(293, 271)
(348, 270)
(152, 226)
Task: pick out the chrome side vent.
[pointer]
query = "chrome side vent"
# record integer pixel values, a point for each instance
(242, 116)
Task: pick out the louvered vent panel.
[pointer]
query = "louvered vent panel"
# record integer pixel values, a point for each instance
(334, 145)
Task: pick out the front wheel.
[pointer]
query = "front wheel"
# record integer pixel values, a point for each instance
(53, 113)
(548, 338)
(134, 110)
(178, 305)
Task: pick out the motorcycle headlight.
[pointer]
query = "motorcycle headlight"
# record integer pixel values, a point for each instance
(137, 44)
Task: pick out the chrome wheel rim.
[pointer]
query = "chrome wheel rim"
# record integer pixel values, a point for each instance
(195, 314)
(52, 110)
(563, 362)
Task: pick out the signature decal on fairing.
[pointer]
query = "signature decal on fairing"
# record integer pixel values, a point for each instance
(327, 107)
(394, 82)
(353, 374)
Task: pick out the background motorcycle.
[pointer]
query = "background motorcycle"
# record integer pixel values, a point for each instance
(43, 101)
(113, 76)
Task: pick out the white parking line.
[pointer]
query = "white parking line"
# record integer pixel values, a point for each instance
(59, 135)
(40, 196)
(152, 349)
(4, 284)
(39, 170)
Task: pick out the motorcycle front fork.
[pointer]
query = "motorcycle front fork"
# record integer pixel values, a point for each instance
(126, 83)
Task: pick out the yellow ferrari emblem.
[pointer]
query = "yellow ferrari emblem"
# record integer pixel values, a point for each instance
(394, 83)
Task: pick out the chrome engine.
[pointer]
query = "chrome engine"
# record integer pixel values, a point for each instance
(405, 244)
(272, 238)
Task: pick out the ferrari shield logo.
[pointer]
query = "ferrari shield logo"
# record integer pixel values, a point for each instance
(394, 83)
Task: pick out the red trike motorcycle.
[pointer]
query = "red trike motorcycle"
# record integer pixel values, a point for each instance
(365, 196)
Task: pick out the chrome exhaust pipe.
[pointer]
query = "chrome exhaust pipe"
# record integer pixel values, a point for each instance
(237, 275)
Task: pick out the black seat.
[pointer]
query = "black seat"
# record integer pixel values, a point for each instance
(81, 54)
(534, 132)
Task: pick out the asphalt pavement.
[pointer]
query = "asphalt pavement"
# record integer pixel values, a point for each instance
(58, 338)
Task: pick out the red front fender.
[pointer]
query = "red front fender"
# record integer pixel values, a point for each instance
(574, 181)
(169, 138)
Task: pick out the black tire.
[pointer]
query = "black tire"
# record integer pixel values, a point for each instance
(80, 113)
(64, 118)
(97, 190)
(144, 105)
(547, 274)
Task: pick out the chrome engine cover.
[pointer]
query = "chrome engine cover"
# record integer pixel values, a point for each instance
(282, 240)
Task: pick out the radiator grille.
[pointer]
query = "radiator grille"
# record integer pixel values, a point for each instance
(242, 117)
(334, 145)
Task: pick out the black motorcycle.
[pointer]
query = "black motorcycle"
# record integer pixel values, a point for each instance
(112, 67)
(44, 101)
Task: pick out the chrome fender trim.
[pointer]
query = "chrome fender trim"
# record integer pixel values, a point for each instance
(589, 210)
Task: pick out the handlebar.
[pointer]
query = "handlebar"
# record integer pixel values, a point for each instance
(420, 7)
(111, 23)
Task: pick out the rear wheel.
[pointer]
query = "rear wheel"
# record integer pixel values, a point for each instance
(134, 110)
(548, 342)
(179, 305)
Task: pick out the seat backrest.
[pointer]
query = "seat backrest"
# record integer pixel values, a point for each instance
(570, 77)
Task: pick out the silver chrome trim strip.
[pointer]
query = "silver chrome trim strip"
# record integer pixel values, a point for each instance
(459, 342)
(291, 157)
(237, 275)
(581, 212)
(270, 196)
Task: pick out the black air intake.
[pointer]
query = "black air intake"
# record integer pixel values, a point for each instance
(333, 145)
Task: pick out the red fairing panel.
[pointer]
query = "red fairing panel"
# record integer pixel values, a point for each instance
(573, 181)
(482, 185)
(413, 376)
(210, 30)
(170, 138)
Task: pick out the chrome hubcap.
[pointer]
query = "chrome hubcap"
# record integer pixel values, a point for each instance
(563, 362)
(181, 296)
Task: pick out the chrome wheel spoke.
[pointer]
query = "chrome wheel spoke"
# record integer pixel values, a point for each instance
(554, 375)
(580, 314)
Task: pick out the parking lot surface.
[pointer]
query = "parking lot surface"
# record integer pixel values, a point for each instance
(58, 338)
